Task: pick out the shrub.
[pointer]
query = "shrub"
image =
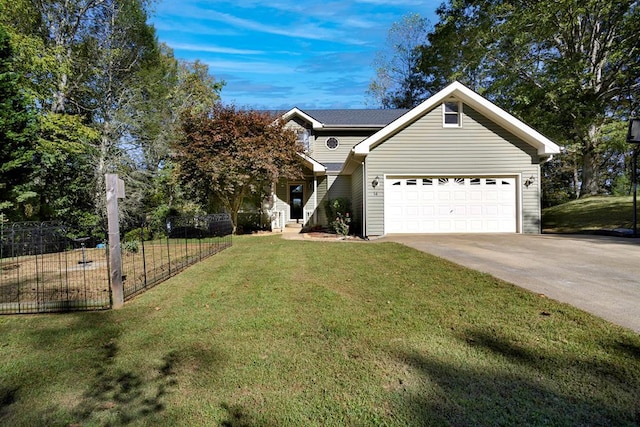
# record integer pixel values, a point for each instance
(137, 234)
(338, 213)
(130, 246)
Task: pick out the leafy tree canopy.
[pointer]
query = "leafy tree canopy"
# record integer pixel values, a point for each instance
(399, 82)
(228, 154)
(568, 68)
(17, 128)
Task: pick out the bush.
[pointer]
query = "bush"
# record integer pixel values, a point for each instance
(131, 246)
(338, 214)
(622, 186)
(137, 234)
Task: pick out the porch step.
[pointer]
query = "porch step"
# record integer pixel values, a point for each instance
(293, 225)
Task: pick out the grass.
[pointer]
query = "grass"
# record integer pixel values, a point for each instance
(589, 214)
(276, 332)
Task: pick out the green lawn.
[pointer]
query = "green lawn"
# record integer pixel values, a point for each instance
(589, 214)
(276, 333)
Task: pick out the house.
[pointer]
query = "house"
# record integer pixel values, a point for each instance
(456, 163)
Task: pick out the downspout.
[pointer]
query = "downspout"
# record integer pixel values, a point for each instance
(364, 199)
(315, 199)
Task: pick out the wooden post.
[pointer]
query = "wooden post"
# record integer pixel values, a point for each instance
(115, 191)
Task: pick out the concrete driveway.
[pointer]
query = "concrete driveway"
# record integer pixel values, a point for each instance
(598, 274)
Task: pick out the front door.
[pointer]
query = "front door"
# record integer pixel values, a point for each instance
(296, 201)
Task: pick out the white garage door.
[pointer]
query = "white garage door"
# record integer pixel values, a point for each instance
(449, 205)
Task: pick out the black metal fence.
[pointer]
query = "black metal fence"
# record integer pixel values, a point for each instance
(44, 269)
(153, 254)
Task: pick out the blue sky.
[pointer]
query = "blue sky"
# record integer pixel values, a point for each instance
(279, 54)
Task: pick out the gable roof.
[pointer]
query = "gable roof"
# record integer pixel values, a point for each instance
(317, 167)
(545, 146)
(360, 118)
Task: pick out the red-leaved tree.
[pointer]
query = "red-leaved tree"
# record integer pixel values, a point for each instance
(227, 155)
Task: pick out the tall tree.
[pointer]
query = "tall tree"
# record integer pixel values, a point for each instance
(17, 147)
(227, 154)
(398, 82)
(166, 91)
(123, 45)
(569, 68)
(106, 98)
(66, 25)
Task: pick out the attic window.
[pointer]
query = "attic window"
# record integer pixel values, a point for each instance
(451, 114)
(303, 138)
(332, 143)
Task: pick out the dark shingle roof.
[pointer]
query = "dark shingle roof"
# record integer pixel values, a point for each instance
(355, 117)
(333, 167)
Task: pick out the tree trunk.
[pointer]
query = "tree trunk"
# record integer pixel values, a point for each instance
(590, 186)
(590, 164)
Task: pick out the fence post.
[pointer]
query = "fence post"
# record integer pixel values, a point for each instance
(115, 191)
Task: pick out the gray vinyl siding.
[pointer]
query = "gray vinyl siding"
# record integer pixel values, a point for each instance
(478, 148)
(322, 195)
(356, 200)
(282, 197)
(347, 140)
(337, 186)
(296, 124)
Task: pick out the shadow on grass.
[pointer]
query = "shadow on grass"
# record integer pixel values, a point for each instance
(529, 388)
(106, 391)
(7, 398)
(626, 346)
(237, 416)
(122, 396)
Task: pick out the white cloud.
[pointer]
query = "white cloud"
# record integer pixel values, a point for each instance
(250, 67)
(204, 47)
(312, 53)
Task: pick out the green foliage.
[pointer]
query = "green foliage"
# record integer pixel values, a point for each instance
(569, 69)
(621, 186)
(138, 234)
(94, 93)
(66, 148)
(399, 82)
(338, 213)
(17, 131)
(131, 246)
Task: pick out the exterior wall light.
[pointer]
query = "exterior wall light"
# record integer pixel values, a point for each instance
(375, 182)
(529, 181)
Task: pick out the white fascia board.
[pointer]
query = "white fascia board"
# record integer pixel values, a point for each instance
(298, 112)
(457, 90)
(352, 161)
(485, 107)
(317, 167)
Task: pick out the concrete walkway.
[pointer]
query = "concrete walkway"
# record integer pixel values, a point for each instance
(598, 274)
